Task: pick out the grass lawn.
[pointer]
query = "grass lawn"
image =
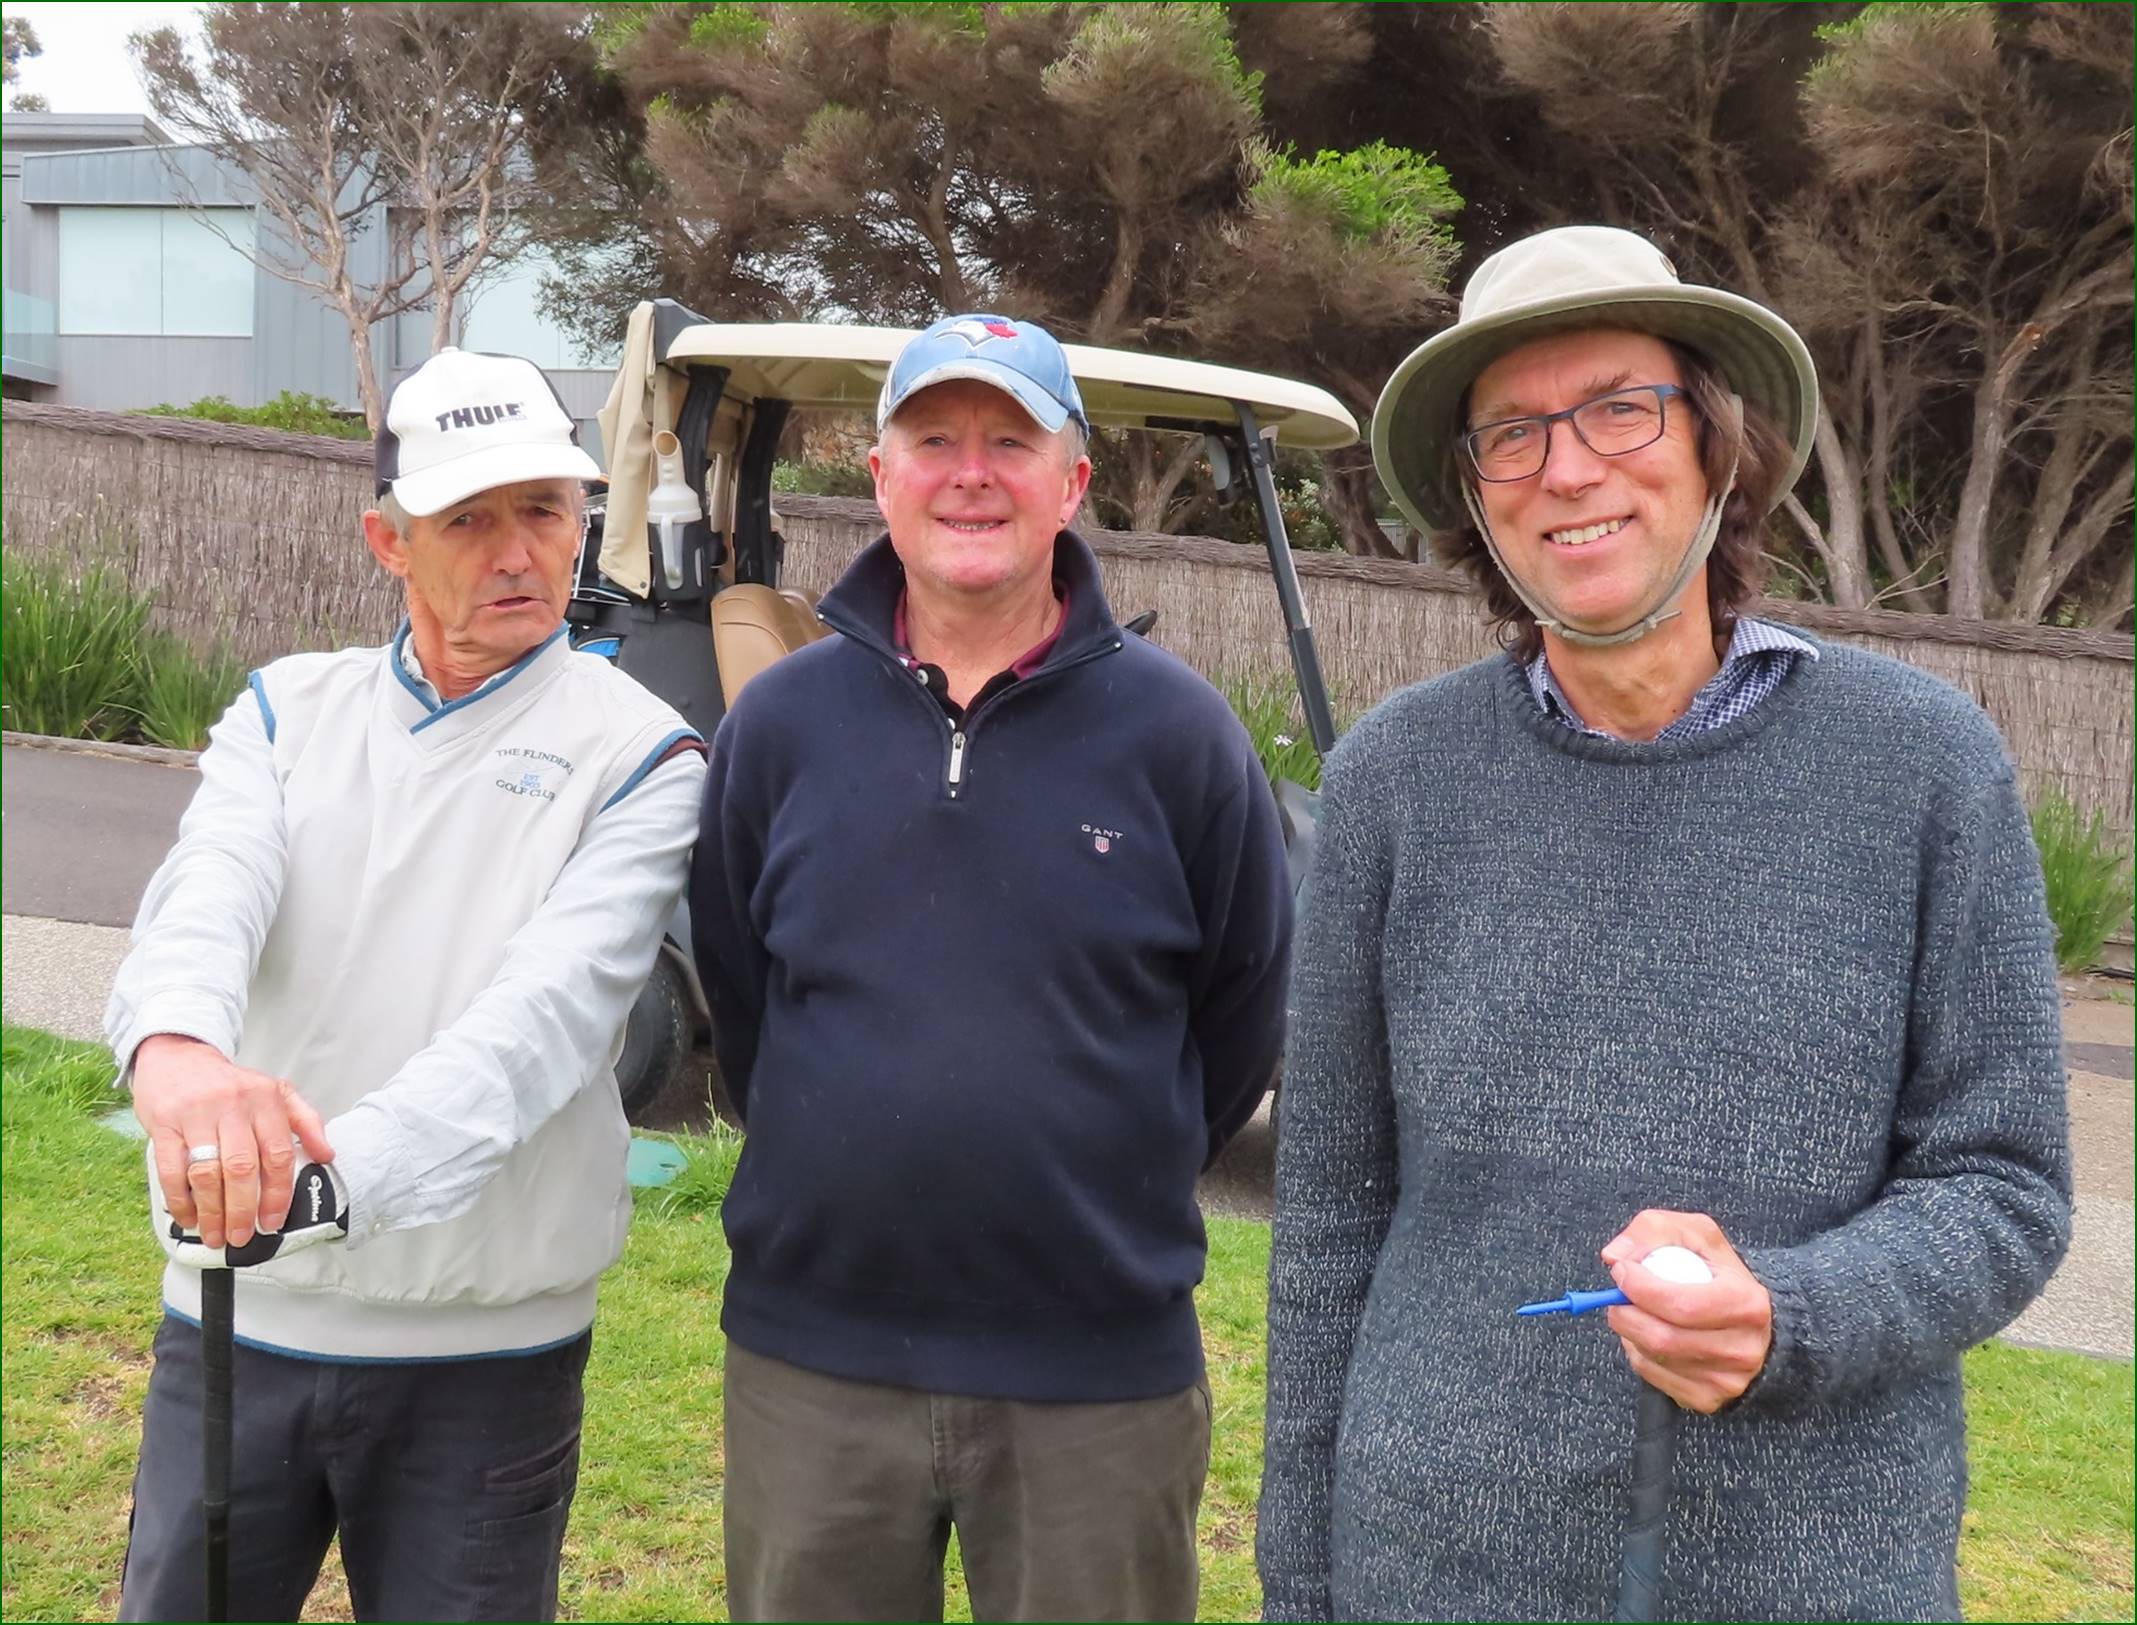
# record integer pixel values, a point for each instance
(2048, 1533)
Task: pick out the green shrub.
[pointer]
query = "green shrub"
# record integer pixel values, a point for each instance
(2087, 872)
(292, 410)
(1268, 705)
(813, 478)
(1308, 526)
(180, 694)
(70, 650)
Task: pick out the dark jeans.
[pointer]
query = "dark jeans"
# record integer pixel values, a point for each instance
(449, 1481)
(841, 1496)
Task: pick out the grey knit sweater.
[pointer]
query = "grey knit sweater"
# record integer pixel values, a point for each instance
(1794, 972)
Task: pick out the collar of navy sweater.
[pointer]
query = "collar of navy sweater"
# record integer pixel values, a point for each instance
(430, 709)
(863, 605)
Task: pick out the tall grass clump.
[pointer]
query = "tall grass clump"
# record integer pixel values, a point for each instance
(179, 694)
(700, 1185)
(1268, 706)
(2088, 876)
(75, 1077)
(77, 660)
(69, 647)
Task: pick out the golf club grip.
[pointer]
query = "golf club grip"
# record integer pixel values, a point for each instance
(218, 1294)
(1654, 1455)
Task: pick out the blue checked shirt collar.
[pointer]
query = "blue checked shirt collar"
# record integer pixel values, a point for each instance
(1760, 657)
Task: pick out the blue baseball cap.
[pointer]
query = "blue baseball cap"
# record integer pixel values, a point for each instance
(1020, 358)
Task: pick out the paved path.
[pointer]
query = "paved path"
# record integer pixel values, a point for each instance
(82, 835)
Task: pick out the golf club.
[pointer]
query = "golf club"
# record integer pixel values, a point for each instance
(1654, 1448)
(218, 1295)
(1654, 1456)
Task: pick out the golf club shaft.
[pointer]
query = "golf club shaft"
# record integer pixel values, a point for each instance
(218, 1292)
(1654, 1455)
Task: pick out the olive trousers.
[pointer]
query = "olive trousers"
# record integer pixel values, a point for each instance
(841, 1497)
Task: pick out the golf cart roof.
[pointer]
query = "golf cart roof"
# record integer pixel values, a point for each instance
(819, 366)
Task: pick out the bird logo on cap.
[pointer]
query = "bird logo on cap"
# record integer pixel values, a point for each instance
(976, 333)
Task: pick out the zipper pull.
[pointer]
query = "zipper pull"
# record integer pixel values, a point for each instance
(957, 760)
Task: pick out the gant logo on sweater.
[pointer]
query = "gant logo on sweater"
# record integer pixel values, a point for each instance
(523, 772)
(1102, 839)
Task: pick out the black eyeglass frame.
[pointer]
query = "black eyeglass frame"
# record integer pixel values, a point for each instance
(1663, 394)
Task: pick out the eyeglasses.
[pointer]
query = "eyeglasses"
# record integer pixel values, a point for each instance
(1610, 426)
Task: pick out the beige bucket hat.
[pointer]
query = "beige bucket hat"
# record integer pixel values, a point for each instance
(1571, 277)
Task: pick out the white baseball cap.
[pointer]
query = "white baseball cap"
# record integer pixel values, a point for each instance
(464, 422)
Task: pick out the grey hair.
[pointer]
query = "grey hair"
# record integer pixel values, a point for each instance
(390, 510)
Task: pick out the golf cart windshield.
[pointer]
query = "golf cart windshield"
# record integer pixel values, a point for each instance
(693, 420)
(816, 366)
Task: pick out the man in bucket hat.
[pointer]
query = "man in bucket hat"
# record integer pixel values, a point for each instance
(990, 904)
(1665, 928)
(407, 914)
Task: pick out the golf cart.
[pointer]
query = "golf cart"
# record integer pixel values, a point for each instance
(684, 590)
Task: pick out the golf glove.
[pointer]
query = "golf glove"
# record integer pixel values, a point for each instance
(318, 1211)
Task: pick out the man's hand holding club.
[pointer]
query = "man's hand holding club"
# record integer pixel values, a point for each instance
(225, 1141)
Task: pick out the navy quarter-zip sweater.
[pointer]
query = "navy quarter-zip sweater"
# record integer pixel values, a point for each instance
(989, 997)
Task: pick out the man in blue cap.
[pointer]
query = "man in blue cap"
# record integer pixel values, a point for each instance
(990, 903)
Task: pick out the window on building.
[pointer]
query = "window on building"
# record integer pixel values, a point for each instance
(505, 318)
(155, 272)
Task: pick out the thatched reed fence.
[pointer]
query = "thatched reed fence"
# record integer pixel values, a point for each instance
(250, 536)
(2061, 697)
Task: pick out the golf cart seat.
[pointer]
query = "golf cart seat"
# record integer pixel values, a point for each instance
(754, 625)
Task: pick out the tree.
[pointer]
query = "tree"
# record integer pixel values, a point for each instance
(21, 41)
(18, 39)
(1981, 222)
(1929, 192)
(1102, 168)
(336, 113)
(1328, 260)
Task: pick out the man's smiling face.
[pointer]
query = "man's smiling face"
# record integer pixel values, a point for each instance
(1596, 538)
(973, 490)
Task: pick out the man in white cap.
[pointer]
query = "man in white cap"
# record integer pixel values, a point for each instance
(406, 916)
(1667, 928)
(990, 902)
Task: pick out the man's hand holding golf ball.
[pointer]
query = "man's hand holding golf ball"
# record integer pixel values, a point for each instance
(1701, 1343)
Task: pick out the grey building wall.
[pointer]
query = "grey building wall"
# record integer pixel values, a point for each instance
(62, 132)
(123, 373)
(299, 340)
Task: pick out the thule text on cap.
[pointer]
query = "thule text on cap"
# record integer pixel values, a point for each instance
(464, 422)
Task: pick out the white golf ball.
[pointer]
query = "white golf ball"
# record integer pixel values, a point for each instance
(1679, 1264)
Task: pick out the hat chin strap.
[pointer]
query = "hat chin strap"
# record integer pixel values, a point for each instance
(1661, 608)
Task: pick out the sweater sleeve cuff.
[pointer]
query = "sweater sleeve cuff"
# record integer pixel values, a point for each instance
(205, 1020)
(1789, 1377)
(371, 1158)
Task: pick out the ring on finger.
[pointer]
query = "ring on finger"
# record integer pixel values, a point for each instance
(198, 1154)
